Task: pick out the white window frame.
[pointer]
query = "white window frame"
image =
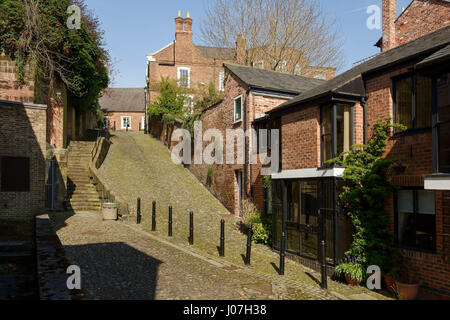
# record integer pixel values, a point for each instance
(258, 64)
(298, 70)
(121, 122)
(191, 104)
(234, 108)
(189, 76)
(222, 81)
(321, 75)
(143, 123)
(282, 66)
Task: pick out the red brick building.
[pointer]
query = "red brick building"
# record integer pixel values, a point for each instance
(249, 94)
(64, 122)
(22, 159)
(194, 67)
(409, 83)
(124, 108)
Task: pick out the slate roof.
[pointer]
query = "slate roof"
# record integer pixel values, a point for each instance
(218, 53)
(439, 56)
(272, 80)
(123, 99)
(421, 47)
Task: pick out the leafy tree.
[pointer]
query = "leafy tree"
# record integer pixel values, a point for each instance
(34, 32)
(170, 104)
(367, 185)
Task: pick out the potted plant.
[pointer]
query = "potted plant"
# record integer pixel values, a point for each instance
(390, 279)
(407, 288)
(393, 270)
(354, 273)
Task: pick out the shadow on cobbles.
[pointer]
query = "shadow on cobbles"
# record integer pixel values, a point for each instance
(115, 271)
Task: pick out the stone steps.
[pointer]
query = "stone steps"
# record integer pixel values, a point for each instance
(82, 194)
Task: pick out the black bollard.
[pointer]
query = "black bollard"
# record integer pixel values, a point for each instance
(222, 238)
(154, 216)
(170, 221)
(324, 283)
(139, 217)
(191, 228)
(323, 267)
(249, 245)
(282, 252)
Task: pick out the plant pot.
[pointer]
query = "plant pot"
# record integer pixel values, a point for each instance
(407, 291)
(351, 281)
(109, 211)
(390, 283)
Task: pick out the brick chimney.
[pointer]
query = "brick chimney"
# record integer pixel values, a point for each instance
(389, 17)
(183, 28)
(241, 48)
(188, 23)
(179, 21)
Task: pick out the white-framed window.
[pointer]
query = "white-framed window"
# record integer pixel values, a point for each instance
(126, 122)
(298, 70)
(320, 75)
(282, 66)
(189, 103)
(184, 77)
(258, 64)
(222, 81)
(143, 123)
(238, 109)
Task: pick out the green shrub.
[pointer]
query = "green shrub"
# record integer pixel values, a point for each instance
(355, 270)
(262, 228)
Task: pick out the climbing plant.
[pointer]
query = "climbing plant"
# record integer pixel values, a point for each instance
(362, 197)
(35, 32)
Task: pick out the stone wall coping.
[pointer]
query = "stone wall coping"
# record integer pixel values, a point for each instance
(23, 104)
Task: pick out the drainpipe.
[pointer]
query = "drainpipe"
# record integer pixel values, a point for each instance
(246, 147)
(364, 105)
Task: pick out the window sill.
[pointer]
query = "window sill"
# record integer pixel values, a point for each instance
(417, 249)
(411, 132)
(237, 122)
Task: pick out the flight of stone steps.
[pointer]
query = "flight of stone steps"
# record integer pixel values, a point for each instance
(82, 195)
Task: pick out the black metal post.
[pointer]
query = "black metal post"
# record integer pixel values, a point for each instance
(170, 221)
(249, 245)
(222, 238)
(191, 228)
(154, 216)
(323, 267)
(282, 252)
(139, 217)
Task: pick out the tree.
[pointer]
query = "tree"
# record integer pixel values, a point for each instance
(294, 31)
(35, 33)
(170, 104)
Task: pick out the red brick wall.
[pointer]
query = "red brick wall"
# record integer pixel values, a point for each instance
(9, 88)
(300, 139)
(421, 18)
(415, 150)
(221, 117)
(22, 134)
(203, 69)
(136, 120)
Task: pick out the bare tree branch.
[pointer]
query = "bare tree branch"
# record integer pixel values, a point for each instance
(276, 31)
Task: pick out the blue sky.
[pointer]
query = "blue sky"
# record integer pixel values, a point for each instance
(134, 28)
